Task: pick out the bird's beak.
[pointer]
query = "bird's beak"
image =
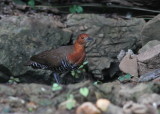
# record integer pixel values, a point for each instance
(89, 39)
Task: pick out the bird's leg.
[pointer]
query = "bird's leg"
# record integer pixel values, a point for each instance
(56, 77)
(74, 66)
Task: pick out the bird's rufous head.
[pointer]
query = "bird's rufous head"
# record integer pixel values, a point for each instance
(83, 39)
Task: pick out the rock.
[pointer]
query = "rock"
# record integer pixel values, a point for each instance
(110, 36)
(157, 79)
(100, 64)
(149, 45)
(150, 53)
(103, 104)
(135, 108)
(111, 72)
(7, 91)
(62, 112)
(149, 60)
(113, 109)
(4, 78)
(121, 54)
(33, 89)
(47, 110)
(156, 87)
(39, 98)
(4, 74)
(5, 109)
(15, 101)
(31, 106)
(24, 36)
(128, 65)
(149, 99)
(119, 94)
(88, 108)
(151, 30)
(132, 93)
(150, 76)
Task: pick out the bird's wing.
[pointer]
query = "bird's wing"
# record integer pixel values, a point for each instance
(52, 57)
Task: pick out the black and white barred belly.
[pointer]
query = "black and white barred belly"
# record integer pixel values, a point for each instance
(63, 67)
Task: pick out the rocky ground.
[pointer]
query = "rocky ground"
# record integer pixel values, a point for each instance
(130, 98)
(122, 75)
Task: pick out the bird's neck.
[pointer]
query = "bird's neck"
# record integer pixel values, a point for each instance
(78, 48)
(78, 52)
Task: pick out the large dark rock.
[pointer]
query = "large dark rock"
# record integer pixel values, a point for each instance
(149, 60)
(23, 36)
(110, 36)
(151, 30)
(149, 45)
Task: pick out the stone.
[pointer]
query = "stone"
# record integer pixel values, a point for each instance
(110, 36)
(149, 99)
(24, 36)
(134, 108)
(151, 30)
(102, 63)
(4, 78)
(4, 74)
(31, 105)
(157, 79)
(113, 109)
(128, 65)
(121, 54)
(87, 108)
(150, 76)
(110, 73)
(7, 91)
(149, 45)
(103, 104)
(39, 98)
(149, 60)
(47, 110)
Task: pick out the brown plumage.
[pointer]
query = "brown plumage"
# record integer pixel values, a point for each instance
(62, 59)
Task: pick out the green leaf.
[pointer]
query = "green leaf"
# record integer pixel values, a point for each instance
(17, 80)
(79, 71)
(84, 91)
(70, 96)
(72, 9)
(125, 77)
(79, 9)
(56, 87)
(10, 81)
(97, 82)
(71, 103)
(73, 73)
(81, 66)
(76, 9)
(86, 62)
(31, 3)
(13, 80)
(30, 109)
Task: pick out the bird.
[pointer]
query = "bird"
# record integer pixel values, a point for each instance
(62, 59)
